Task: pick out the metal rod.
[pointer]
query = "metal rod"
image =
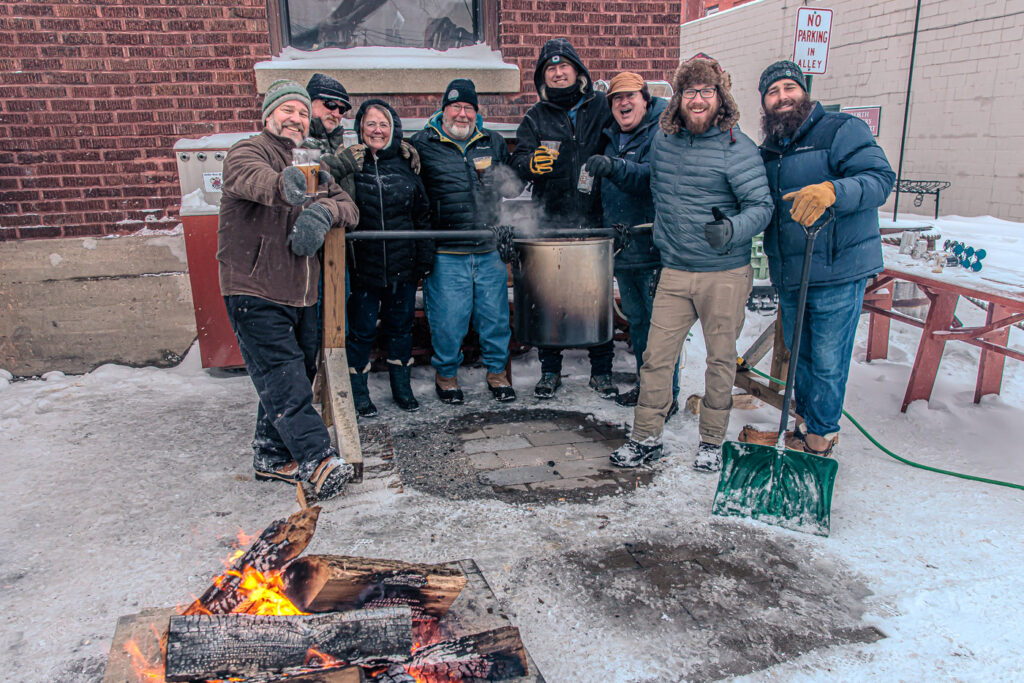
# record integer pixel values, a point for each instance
(906, 116)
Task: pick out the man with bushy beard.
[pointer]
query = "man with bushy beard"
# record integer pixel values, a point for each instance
(816, 160)
(554, 140)
(711, 198)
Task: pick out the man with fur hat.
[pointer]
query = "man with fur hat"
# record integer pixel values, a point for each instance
(466, 173)
(572, 115)
(818, 160)
(624, 174)
(711, 198)
(267, 246)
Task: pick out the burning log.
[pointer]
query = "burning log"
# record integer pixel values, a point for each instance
(279, 544)
(490, 656)
(263, 648)
(323, 583)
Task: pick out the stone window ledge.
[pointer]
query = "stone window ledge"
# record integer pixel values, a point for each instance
(394, 71)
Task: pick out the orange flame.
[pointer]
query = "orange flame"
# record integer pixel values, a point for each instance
(143, 668)
(263, 593)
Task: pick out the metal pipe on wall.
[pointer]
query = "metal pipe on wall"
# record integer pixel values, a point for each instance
(906, 111)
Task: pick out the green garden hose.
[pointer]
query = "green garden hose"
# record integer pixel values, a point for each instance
(893, 455)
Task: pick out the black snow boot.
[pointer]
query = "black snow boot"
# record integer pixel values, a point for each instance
(361, 394)
(398, 373)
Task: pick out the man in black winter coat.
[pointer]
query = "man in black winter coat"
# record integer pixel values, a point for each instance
(555, 139)
(465, 170)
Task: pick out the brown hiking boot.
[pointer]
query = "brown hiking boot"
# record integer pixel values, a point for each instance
(447, 389)
(500, 387)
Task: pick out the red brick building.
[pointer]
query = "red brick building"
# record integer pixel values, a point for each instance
(93, 95)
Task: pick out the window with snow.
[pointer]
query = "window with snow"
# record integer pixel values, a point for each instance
(437, 24)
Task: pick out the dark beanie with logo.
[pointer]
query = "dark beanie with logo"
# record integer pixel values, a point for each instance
(460, 90)
(323, 87)
(778, 71)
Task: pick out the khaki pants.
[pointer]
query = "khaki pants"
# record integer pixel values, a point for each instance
(718, 300)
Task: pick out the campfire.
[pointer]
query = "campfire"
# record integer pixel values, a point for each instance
(275, 616)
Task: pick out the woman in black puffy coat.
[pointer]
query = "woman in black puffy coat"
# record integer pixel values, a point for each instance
(384, 273)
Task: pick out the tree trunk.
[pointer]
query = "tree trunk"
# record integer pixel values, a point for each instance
(261, 648)
(323, 583)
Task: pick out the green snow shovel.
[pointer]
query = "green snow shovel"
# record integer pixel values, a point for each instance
(773, 484)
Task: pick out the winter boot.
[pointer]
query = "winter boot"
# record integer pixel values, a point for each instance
(398, 373)
(604, 386)
(635, 453)
(500, 387)
(548, 385)
(709, 457)
(361, 393)
(629, 398)
(447, 389)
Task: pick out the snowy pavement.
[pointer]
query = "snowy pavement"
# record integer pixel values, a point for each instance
(125, 487)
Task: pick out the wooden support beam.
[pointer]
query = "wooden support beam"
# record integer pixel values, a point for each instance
(342, 410)
(322, 583)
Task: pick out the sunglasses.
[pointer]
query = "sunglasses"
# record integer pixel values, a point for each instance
(335, 105)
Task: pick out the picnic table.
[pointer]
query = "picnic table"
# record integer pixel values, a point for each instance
(1000, 291)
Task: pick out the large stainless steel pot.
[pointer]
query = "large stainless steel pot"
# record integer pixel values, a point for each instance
(563, 292)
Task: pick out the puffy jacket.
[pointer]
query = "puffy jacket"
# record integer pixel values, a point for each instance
(690, 174)
(390, 197)
(626, 193)
(839, 148)
(252, 248)
(555, 194)
(459, 198)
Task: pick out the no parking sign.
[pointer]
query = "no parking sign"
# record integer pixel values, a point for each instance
(810, 47)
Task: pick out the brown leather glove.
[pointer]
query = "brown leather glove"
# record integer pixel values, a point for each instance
(810, 202)
(410, 154)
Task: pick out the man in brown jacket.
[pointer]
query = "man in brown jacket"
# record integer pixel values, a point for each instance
(267, 247)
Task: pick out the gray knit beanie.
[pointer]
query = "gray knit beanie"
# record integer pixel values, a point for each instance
(778, 71)
(280, 92)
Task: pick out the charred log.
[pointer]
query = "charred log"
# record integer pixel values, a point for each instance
(262, 648)
(279, 544)
(322, 583)
(490, 656)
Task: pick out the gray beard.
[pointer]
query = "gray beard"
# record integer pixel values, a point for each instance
(786, 124)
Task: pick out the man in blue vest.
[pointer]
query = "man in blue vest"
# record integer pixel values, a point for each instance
(817, 160)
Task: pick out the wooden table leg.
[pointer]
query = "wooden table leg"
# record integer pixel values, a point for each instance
(929, 350)
(990, 368)
(878, 325)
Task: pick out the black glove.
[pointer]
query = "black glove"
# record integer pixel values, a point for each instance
(718, 233)
(310, 227)
(342, 164)
(293, 185)
(325, 178)
(599, 165)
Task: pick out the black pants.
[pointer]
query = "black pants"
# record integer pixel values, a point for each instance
(601, 357)
(395, 306)
(280, 345)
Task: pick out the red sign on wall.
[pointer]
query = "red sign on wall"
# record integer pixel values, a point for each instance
(869, 115)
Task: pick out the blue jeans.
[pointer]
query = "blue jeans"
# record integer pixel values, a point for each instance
(395, 306)
(826, 348)
(464, 288)
(280, 345)
(638, 305)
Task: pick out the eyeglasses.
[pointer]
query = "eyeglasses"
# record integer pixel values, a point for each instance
(373, 125)
(335, 105)
(461, 108)
(705, 93)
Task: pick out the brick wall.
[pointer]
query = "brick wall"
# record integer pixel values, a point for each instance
(93, 95)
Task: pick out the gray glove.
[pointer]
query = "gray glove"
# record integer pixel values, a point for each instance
(293, 185)
(325, 178)
(718, 233)
(310, 227)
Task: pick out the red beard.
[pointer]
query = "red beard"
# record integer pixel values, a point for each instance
(696, 127)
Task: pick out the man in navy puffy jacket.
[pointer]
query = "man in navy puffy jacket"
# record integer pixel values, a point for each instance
(815, 161)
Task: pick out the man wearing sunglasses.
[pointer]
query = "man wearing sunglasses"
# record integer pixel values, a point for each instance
(711, 198)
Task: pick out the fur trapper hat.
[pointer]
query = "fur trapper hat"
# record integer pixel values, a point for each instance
(700, 69)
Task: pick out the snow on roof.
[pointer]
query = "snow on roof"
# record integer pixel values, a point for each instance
(473, 56)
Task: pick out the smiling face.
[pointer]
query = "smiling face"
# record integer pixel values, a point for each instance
(330, 119)
(290, 120)
(458, 120)
(375, 129)
(783, 96)
(699, 113)
(786, 106)
(560, 75)
(629, 109)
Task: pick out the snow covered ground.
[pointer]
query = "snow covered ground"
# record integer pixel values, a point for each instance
(124, 487)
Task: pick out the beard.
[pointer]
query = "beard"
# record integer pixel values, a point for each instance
(455, 129)
(696, 127)
(291, 132)
(782, 125)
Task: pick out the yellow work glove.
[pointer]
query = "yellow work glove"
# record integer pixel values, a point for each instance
(810, 202)
(542, 161)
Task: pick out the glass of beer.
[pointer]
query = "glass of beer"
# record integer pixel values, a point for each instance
(552, 146)
(308, 161)
(481, 164)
